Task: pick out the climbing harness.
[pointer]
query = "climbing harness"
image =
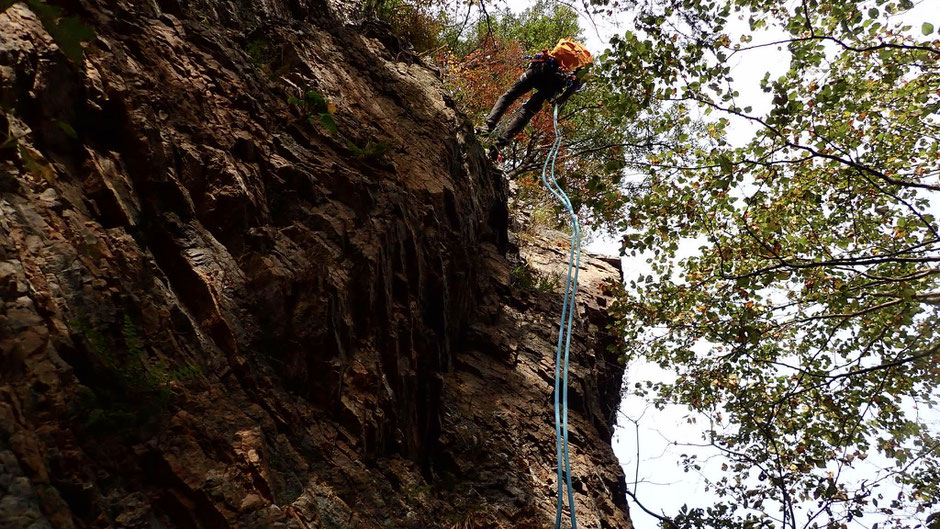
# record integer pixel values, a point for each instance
(564, 331)
(543, 58)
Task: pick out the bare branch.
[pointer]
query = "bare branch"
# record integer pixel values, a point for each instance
(876, 47)
(814, 152)
(665, 520)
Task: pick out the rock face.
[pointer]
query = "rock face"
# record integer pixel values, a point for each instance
(215, 312)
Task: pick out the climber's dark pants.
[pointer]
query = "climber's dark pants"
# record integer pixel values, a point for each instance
(546, 83)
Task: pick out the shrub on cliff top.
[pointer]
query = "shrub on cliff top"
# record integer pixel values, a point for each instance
(419, 22)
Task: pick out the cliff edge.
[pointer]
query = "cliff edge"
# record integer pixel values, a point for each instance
(219, 310)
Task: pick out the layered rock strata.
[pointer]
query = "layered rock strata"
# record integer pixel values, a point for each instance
(217, 311)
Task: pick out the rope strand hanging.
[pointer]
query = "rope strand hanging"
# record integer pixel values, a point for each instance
(564, 332)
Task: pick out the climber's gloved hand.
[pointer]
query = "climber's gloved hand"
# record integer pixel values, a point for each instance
(559, 100)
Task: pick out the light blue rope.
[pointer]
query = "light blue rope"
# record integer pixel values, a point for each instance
(558, 436)
(564, 332)
(576, 247)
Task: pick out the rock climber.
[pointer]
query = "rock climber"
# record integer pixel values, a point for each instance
(554, 75)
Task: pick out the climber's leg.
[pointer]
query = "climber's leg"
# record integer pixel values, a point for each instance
(523, 85)
(529, 109)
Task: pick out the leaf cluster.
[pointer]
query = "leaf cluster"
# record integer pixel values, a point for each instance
(524, 277)
(123, 390)
(421, 23)
(320, 111)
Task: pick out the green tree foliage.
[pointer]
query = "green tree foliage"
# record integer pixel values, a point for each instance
(804, 328)
(536, 28)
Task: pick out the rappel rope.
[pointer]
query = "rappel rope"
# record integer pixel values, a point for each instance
(564, 332)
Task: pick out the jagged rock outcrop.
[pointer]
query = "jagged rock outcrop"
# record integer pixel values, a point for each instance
(214, 312)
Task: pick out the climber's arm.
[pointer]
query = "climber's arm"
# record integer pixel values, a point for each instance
(573, 86)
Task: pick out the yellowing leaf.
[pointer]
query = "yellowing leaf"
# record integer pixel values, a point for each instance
(36, 164)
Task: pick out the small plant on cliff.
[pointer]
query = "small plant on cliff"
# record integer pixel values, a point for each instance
(524, 277)
(8, 139)
(68, 32)
(416, 21)
(122, 393)
(548, 282)
(260, 51)
(319, 110)
(32, 160)
(266, 56)
(370, 151)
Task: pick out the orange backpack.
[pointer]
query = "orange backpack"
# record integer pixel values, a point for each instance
(571, 55)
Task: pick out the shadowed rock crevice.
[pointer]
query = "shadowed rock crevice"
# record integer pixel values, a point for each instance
(216, 313)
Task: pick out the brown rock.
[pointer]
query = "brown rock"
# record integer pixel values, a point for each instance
(215, 313)
(252, 502)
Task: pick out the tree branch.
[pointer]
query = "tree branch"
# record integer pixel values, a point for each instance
(880, 46)
(814, 152)
(665, 520)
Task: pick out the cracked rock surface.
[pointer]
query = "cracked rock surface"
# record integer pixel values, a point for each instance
(216, 313)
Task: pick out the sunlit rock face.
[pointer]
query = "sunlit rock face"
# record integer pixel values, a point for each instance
(215, 311)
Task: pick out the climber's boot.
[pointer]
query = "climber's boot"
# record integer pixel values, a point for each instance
(494, 154)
